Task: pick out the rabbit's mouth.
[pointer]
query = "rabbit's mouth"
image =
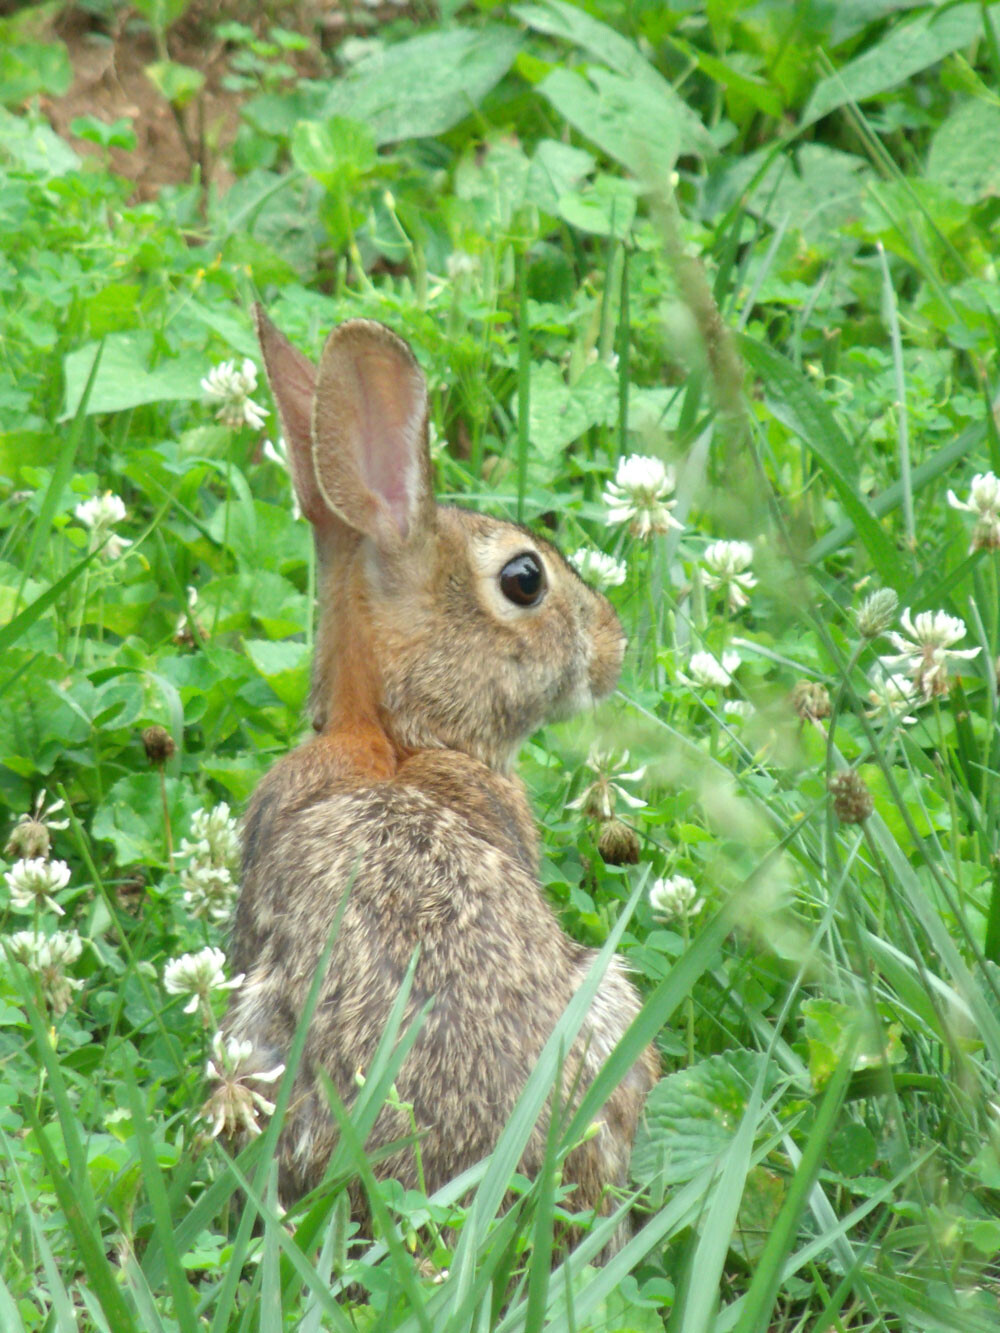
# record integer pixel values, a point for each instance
(579, 692)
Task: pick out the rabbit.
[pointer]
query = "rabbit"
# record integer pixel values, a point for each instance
(444, 639)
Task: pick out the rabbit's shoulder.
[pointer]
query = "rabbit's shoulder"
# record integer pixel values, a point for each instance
(327, 764)
(493, 806)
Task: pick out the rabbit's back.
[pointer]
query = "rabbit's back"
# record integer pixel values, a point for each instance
(451, 870)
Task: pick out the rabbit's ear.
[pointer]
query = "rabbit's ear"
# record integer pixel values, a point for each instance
(369, 432)
(292, 378)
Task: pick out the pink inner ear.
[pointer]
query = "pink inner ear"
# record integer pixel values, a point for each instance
(391, 419)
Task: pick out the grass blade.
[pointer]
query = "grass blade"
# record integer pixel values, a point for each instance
(89, 1241)
(60, 478)
(766, 1280)
(156, 1192)
(62, 1306)
(12, 631)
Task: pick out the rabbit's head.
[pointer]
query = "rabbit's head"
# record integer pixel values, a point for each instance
(441, 627)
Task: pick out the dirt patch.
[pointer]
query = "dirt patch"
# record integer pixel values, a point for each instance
(110, 82)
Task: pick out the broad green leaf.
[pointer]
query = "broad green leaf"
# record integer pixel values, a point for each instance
(852, 1150)
(423, 86)
(763, 1195)
(574, 24)
(161, 13)
(692, 1116)
(116, 134)
(630, 121)
(903, 52)
(336, 152)
(554, 171)
(285, 667)
(559, 413)
(831, 1028)
(236, 333)
(32, 144)
(965, 152)
(849, 17)
(30, 68)
(754, 89)
(179, 84)
(131, 817)
(816, 192)
(607, 208)
(126, 377)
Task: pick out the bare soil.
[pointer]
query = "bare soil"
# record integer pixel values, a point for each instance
(110, 82)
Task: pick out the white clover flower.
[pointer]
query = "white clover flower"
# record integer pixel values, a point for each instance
(891, 695)
(741, 708)
(199, 975)
(984, 502)
(707, 669)
(46, 957)
(638, 496)
(460, 264)
(100, 514)
(33, 880)
(599, 568)
(208, 882)
(727, 564)
(927, 653)
(182, 630)
(217, 836)
(209, 891)
(31, 836)
(231, 389)
(102, 511)
(674, 896)
(599, 798)
(234, 1107)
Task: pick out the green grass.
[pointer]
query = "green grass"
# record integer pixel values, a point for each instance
(755, 242)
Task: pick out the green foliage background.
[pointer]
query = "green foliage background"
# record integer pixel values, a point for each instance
(755, 241)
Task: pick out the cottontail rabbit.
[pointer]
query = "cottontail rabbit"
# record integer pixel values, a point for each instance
(445, 639)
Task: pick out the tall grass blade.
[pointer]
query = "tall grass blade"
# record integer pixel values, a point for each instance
(659, 1005)
(795, 402)
(402, 1265)
(290, 1250)
(62, 1313)
(90, 1244)
(766, 1281)
(507, 1153)
(10, 1315)
(156, 1192)
(59, 480)
(269, 1139)
(710, 1254)
(23, 621)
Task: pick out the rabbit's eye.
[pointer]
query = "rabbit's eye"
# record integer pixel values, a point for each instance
(522, 580)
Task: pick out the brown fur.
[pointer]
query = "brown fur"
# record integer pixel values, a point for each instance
(426, 680)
